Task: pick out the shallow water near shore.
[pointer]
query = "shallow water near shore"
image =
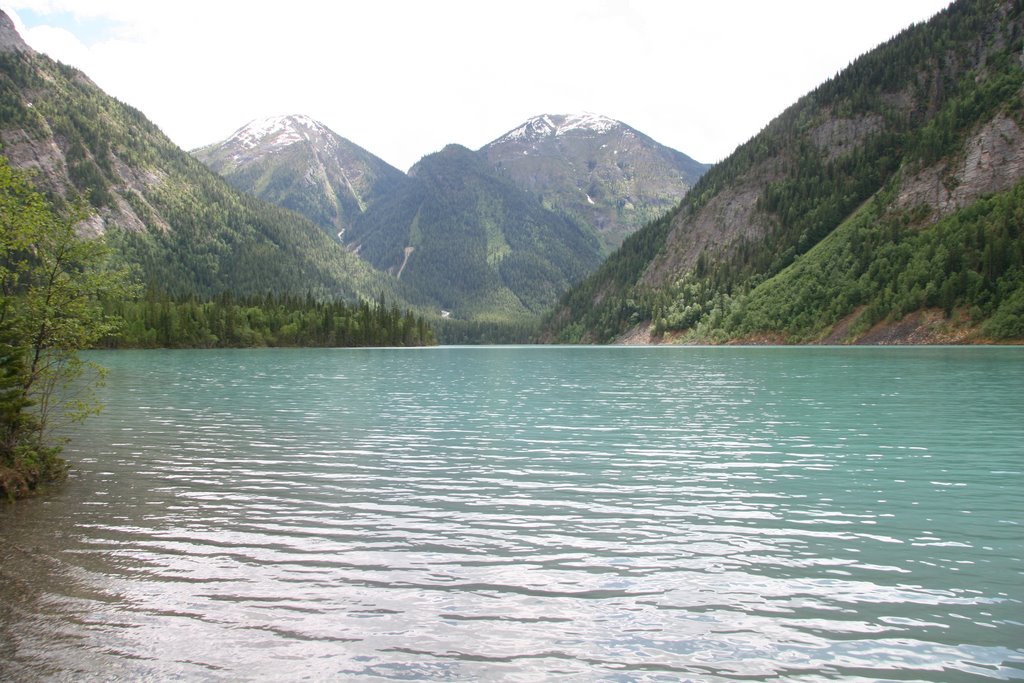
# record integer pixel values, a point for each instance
(531, 513)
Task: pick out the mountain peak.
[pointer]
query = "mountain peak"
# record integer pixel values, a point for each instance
(594, 167)
(299, 163)
(10, 39)
(554, 125)
(278, 131)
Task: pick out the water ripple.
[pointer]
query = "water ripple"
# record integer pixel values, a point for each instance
(616, 514)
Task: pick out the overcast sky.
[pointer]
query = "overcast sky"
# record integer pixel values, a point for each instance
(403, 78)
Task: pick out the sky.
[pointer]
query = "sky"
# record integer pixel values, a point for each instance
(404, 78)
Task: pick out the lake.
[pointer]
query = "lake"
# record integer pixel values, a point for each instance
(531, 513)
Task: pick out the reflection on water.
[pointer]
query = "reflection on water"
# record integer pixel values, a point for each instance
(537, 513)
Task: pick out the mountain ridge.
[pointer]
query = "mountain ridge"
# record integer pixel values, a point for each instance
(801, 226)
(10, 39)
(280, 159)
(299, 163)
(598, 169)
(546, 125)
(183, 227)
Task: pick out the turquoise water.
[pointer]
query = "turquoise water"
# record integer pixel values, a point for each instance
(706, 514)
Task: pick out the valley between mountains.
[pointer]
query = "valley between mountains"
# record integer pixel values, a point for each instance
(885, 206)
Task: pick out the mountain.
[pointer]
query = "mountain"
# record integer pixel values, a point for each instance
(884, 206)
(300, 164)
(598, 169)
(461, 236)
(184, 227)
(495, 234)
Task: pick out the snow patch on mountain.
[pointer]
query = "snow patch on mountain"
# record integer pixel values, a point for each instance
(587, 122)
(277, 131)
(554, 125)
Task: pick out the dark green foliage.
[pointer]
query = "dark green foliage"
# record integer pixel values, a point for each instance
(229, 242)
(487, 332)
(971, 261)
(619, 308)
(157, 321)
(1008, 320)
(478, 246)
(14, 404)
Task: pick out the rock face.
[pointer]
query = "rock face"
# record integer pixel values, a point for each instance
(10, 40)
(597, 169)
(53, 172)
(992, 161)
(813, 137)
(728, 217)
(55, 154)
(839, 136)
(299, 163)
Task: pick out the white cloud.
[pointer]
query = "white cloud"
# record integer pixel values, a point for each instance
(403, 78)
(54, 40)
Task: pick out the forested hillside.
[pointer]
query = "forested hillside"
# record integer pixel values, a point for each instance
(882, 206)
(472, 242)
(188, 232)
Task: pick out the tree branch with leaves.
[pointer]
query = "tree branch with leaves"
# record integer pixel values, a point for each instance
(52, 282)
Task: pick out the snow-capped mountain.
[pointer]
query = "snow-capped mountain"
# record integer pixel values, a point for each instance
(548, 125)
(501, 231)
(599, 169)
(301, 164)
(276, 132)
